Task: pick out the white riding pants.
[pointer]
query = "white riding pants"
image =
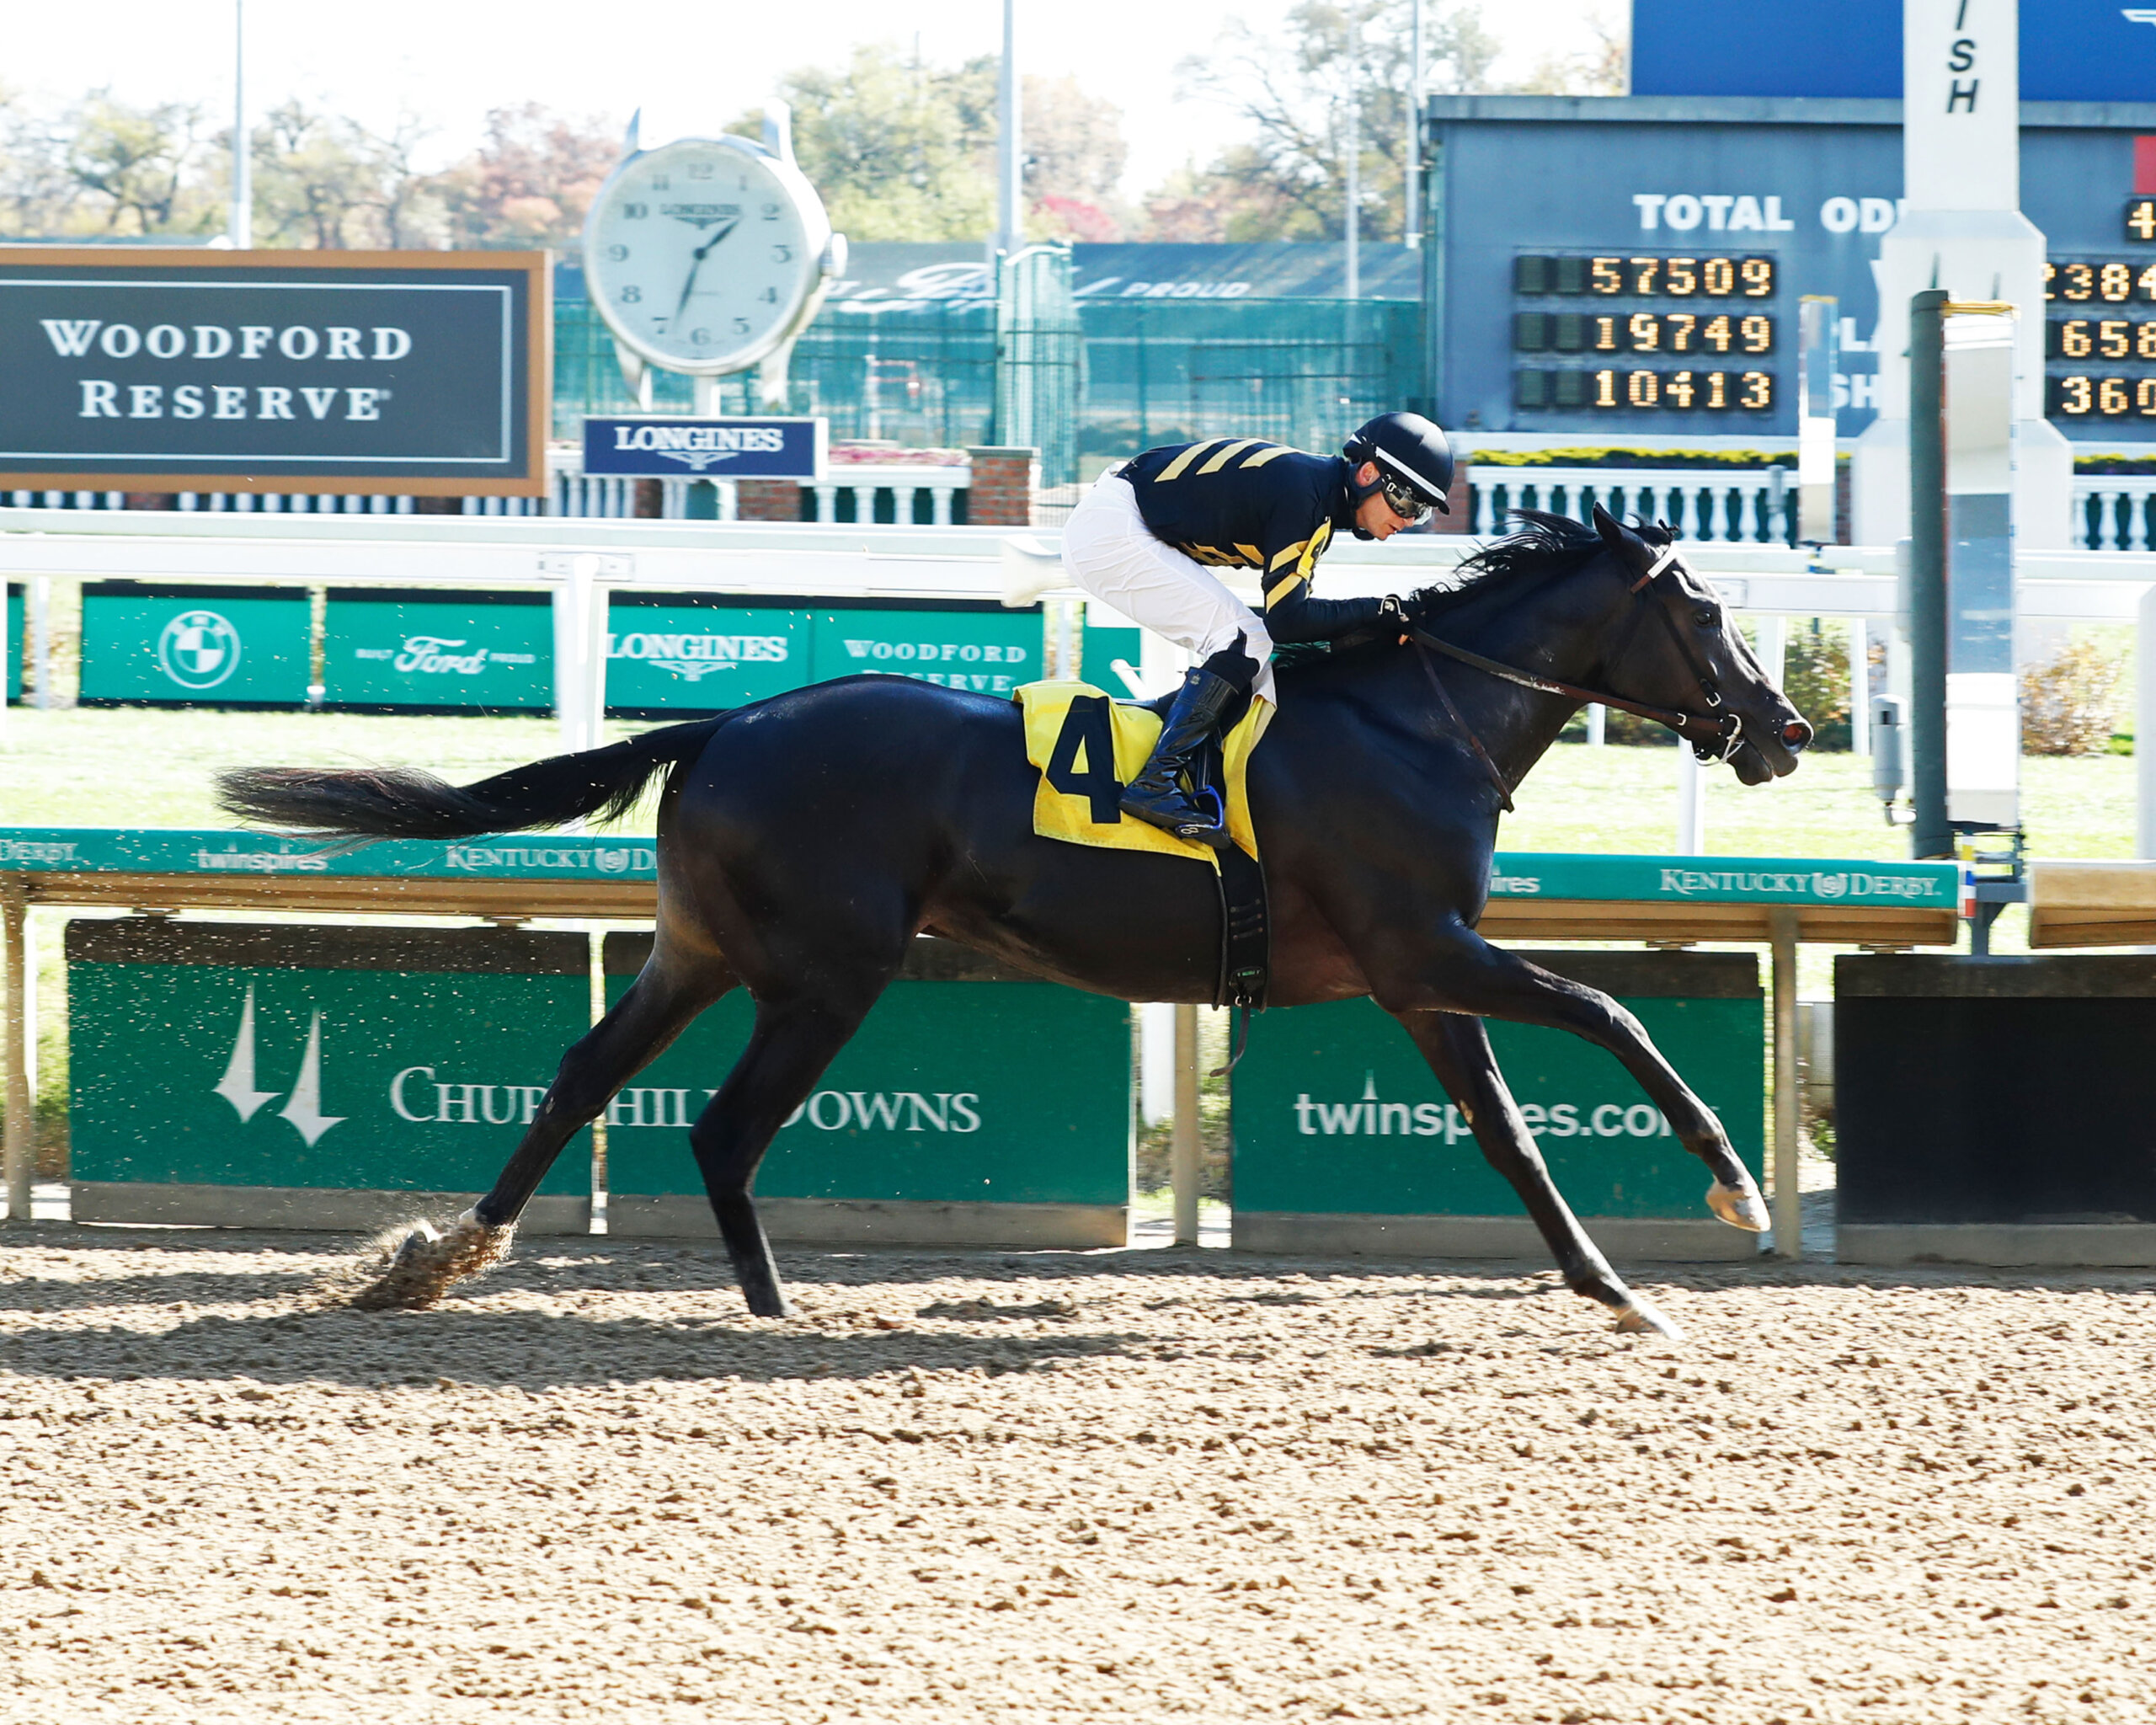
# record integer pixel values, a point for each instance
(1112, 554)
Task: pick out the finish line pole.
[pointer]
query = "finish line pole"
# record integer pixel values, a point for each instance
(1932, 834)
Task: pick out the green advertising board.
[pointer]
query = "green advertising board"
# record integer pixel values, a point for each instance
(430, 648)
(681, 653)
(986, 648)
(967, 1108)
(175, 645)
(11, 638)
(1336, 1115)
(313, 1077)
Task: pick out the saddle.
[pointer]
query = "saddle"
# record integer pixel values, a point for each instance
(1088, 745)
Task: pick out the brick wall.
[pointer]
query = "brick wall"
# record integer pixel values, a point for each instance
(1002, 491)
(768, 500)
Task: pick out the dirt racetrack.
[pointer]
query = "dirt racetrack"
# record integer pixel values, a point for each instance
(1133, 1485)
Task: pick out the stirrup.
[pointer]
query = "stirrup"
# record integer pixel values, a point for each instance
(1200, 819)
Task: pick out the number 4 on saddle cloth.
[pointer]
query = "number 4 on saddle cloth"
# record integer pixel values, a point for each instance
(1088, 746)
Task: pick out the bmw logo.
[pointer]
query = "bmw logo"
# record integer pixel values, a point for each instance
(199, 649)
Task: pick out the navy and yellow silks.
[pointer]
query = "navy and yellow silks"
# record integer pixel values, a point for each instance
(1089, 746)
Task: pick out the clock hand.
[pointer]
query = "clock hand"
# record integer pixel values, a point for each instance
(689, 287)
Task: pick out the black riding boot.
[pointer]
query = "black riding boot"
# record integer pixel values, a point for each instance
(1156, 795)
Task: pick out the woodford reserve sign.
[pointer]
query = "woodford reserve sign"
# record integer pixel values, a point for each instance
(170, 370)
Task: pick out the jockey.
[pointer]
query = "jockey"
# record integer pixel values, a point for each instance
(1141, 540)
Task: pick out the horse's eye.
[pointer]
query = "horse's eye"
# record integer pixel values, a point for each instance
(1706, 616)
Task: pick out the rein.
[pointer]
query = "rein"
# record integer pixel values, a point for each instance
(1713, 736)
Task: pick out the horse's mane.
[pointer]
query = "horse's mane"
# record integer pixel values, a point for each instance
(1544, 546)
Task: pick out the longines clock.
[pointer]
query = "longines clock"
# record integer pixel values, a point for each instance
(710, 255)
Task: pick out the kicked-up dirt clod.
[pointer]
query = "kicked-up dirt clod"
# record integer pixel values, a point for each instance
(1019, 1487)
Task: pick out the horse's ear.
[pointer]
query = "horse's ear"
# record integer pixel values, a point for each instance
(1620, 539)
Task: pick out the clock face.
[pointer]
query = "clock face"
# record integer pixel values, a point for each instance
(699, 254)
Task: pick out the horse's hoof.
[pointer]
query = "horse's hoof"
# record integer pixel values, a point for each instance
(1639, 1317)
(423, 1235)
(410, 1267)
(1740, 1206)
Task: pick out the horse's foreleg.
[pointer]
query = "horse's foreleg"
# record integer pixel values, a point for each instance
(793, 1042)
(1457, 1049)
(1473, 976)
(421, 1263)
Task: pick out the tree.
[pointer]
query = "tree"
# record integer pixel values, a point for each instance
(326, 183)
(1074, 154)
(1293, 89)
(1602, 68)
(897, 149)
(103, 168)
(532, 182)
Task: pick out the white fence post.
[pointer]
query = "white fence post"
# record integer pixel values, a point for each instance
(1183, 1157)
(40, 598)
(1691, 803)
(1859, 687)
(15, 1067)
(580, 649)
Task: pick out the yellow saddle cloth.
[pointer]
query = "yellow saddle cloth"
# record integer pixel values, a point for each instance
(1089, 746)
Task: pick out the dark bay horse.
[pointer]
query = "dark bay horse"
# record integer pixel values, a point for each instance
(805, 840)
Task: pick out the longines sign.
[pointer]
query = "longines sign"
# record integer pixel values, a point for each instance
(168, 369)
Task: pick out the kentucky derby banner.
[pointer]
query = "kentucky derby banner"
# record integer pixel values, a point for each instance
(169, 370)
(216, 850)
(433, 647)
(675, 448)
(179, 645)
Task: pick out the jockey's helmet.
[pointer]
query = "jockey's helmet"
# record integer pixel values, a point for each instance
(1413, 460)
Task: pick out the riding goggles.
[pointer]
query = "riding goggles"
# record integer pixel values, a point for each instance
(1410, 505)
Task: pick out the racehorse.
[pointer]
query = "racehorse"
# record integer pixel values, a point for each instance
(805, 840)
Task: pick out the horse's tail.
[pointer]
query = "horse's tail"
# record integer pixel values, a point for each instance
(365, 804)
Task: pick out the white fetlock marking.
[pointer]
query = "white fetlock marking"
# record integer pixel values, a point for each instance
(1740, 1206)
(1641, 1317)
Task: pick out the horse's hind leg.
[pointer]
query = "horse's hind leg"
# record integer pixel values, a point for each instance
(1458, 1048)
(667, 995)
(794, 1040)
(660, 1004)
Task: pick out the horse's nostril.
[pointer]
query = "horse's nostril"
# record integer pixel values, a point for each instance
(1797, 733)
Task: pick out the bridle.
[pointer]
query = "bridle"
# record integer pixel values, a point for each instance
(1714, 735)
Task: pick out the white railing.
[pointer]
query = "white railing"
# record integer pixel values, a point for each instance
(2114, 512)
(572, 492)
(1747, 506)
